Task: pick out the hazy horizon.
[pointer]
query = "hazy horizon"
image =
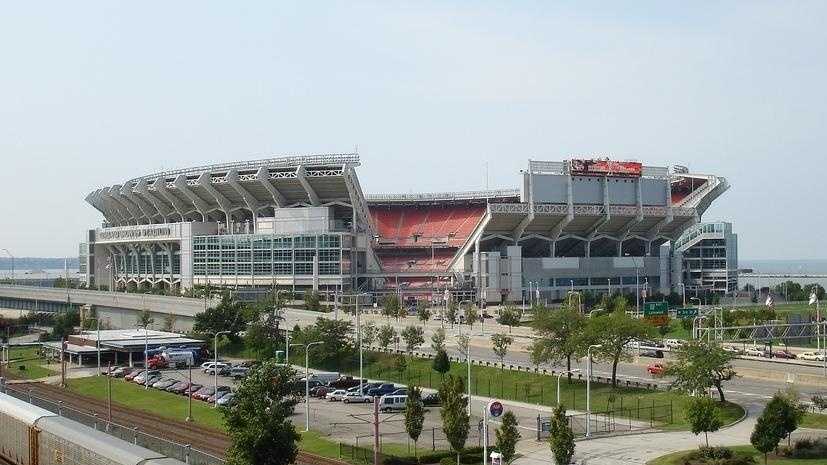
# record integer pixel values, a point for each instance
(96, 93)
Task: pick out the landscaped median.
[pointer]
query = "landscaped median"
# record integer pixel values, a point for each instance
(663, 409)
(742, 455)
(25, 362)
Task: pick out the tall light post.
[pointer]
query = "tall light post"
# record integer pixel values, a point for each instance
(215, 365)
(683, 291)
(98, 341)
(307, 384)
(589, 388)
(146, 357)
(358, 312)
(559, 375)
(12, 264)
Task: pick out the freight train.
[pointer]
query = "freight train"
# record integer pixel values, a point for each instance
(30, 435)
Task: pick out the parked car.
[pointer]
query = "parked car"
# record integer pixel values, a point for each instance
(344, 382)
(356, 398)
(223, 369)
(754, 351)
(226, 400)
(392, 403)
(432, 399)
(221, 392)
(382, 390)
(239, 372)
(785, 354)
(400, 392)
(673, 343)
(120, 372)
(153, 379)
(321, 391)
(191, 389)
(204, 393)
(652, 353)
(164, 383)
(132, 374)
(814, 356)
(338, 394)
(146, 374)
(733, 350)
(656, 369)
(206, 366)
(178, 387)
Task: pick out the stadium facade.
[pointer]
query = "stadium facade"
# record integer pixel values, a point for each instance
(303, 222)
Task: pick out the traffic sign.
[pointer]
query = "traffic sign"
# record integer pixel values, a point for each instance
(688, 312)
(655, 308)
(495, 408)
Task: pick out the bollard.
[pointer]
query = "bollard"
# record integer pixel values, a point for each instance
(135, 435)
(188, 449)
(95, 416)
(60, 408)
(30, 395)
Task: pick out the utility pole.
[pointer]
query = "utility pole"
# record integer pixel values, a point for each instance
(376, 431)
(189, 397)
(109, 391)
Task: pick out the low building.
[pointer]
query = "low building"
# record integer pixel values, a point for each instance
(118, 346)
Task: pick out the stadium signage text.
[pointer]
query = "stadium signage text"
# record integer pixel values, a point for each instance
(118, 234)
(606, 167)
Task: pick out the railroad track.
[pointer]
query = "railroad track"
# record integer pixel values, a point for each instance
(201, 438)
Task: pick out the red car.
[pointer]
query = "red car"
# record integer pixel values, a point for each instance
(783, 354)
(656, 369)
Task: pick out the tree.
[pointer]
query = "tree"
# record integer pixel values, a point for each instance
(509, 316)
(369, 333)
(451, 312)
(64, 324)
(313, 301)
(228, 315)
(259, 423)
(438, 340)
(788, 411)
(703, 416)
(700, 365)
(507, 436)
(390, 305)
(463, 345)
(561, 437)
(169, 322)
(613, 332)
(337, 342)
(471, 314)
(455, 420)
(422, 312)
(559, 336)
(767, 433)
(414, 414)
(400, 364)
(145, 319)
(499, 344)
(441, 363)
(414, 336)
(386, 336)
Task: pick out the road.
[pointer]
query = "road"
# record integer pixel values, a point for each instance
(757, 380)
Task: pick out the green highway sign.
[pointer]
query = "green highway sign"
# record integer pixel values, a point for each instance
(655, 308)
(688, 312)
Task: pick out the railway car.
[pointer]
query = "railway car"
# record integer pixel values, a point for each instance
(30, 435)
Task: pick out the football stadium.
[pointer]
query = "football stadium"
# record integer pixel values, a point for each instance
(305, 223)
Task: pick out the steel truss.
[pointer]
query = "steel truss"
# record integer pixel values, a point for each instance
(760, 332)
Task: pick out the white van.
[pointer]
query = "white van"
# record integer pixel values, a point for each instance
(389, 403)
(324, 377)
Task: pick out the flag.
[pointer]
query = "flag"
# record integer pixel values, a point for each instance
(813, 298)
(769, 301)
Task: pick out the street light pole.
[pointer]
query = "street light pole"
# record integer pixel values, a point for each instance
(146, 357)
(589, 388)
(307, 384)
(558, 382)
(215, 365)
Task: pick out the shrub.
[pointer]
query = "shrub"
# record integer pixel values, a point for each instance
(808, 449)
(716, 456)
(448, 461)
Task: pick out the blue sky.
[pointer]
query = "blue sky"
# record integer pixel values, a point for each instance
(93, 93)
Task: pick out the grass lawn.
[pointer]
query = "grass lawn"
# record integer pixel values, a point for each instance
(25, 363)
(814, 420)
(174, 406)
(536, 388)
(677, 458)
